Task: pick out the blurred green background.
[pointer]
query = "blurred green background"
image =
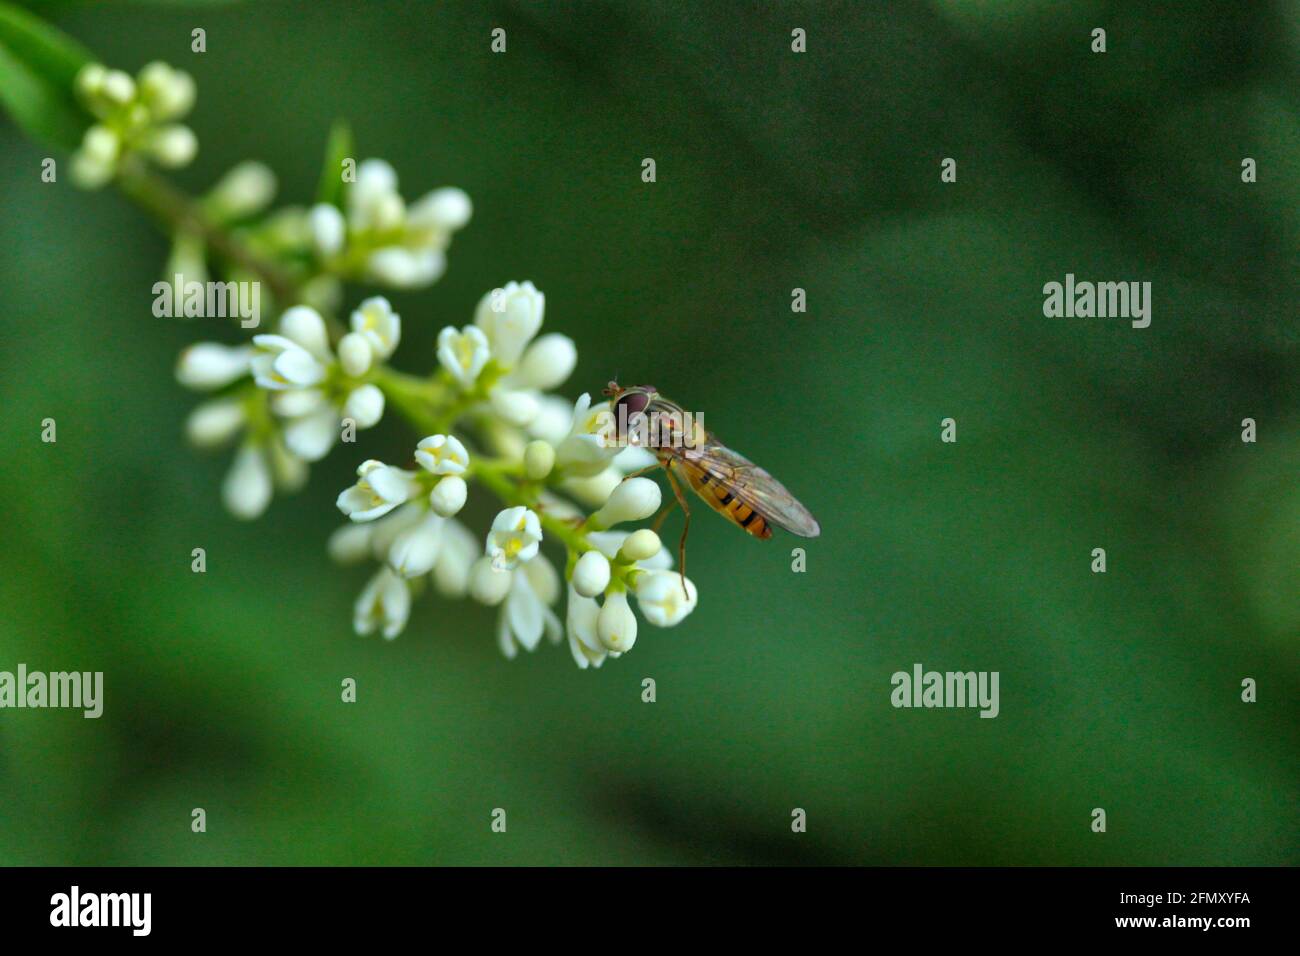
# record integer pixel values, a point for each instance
(775, 171)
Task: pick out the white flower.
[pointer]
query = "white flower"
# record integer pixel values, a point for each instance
(442, 455)
(215, 422)
(583, 451)
(515, 408)
(554, 416)
(118, 87)
(415, 550)
(384, 603)
(609, 543)
(591, 574)
(407, 268)
(355, 355)
(594, 490)
(632, 500)
(640, 545)
(525, 616)
(510, 317)
(303, 325)
(580, 624)
(616, 624)
(515, 537)
(401, 247)
(441, 211)
(247, 489)
(379, 324)
(539, 459)
(310, 436)
(455, 558)
(283, 364)
(379, 490)
(448, 495)
(350, 543)
(373, 201)
(364, 405)
(663, 599)
(206, 366)
(244, 191)
(487, 583)
(288, 471)
(463, 353)
(328, 229)
(168, 93)
(173, 146)
(385, 530)
(547, 364)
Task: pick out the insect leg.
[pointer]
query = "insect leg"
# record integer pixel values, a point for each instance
(686, 527)
(659, 518)
(641, 471)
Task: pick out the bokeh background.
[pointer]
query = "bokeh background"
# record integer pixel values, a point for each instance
(775, 171)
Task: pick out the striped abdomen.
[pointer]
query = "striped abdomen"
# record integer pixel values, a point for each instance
(718, 492)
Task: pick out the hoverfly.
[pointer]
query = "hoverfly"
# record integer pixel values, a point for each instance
(729, 483)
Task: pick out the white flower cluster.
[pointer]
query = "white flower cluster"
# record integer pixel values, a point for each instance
(306, 396)
(290, 395)
(133, 116)
(381, 239)
(500, 370)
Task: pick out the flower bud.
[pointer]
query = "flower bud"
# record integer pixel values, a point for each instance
(549, 361)
(90, 80)
(510, 316)
(365, 406)
(350, 544)
(173, 146)
(616, 624)
(591, 574)
(487, 585)
(539, 459)
(208, 365)
(640, 546)
(117, 87)
(448, 495)
(633, 500)
(354, 354)
(415, 550)
(168, 92)
(101, 144)
(245, 190)
(327, 229)
(216, 422)
(517, 408)
(443, 210)
(247, 489)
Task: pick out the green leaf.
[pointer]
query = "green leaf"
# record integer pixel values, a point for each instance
(337, 149)
(38, 67)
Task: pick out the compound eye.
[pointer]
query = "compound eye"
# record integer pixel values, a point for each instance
(634, 403)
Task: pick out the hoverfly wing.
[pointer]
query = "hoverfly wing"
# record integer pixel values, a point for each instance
(740, 479)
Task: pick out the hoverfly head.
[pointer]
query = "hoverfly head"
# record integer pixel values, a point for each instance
(630, 405)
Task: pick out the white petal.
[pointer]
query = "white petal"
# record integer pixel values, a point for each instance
(247, 488)
(312, 436)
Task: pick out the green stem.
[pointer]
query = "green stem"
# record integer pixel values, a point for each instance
(175, 211)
